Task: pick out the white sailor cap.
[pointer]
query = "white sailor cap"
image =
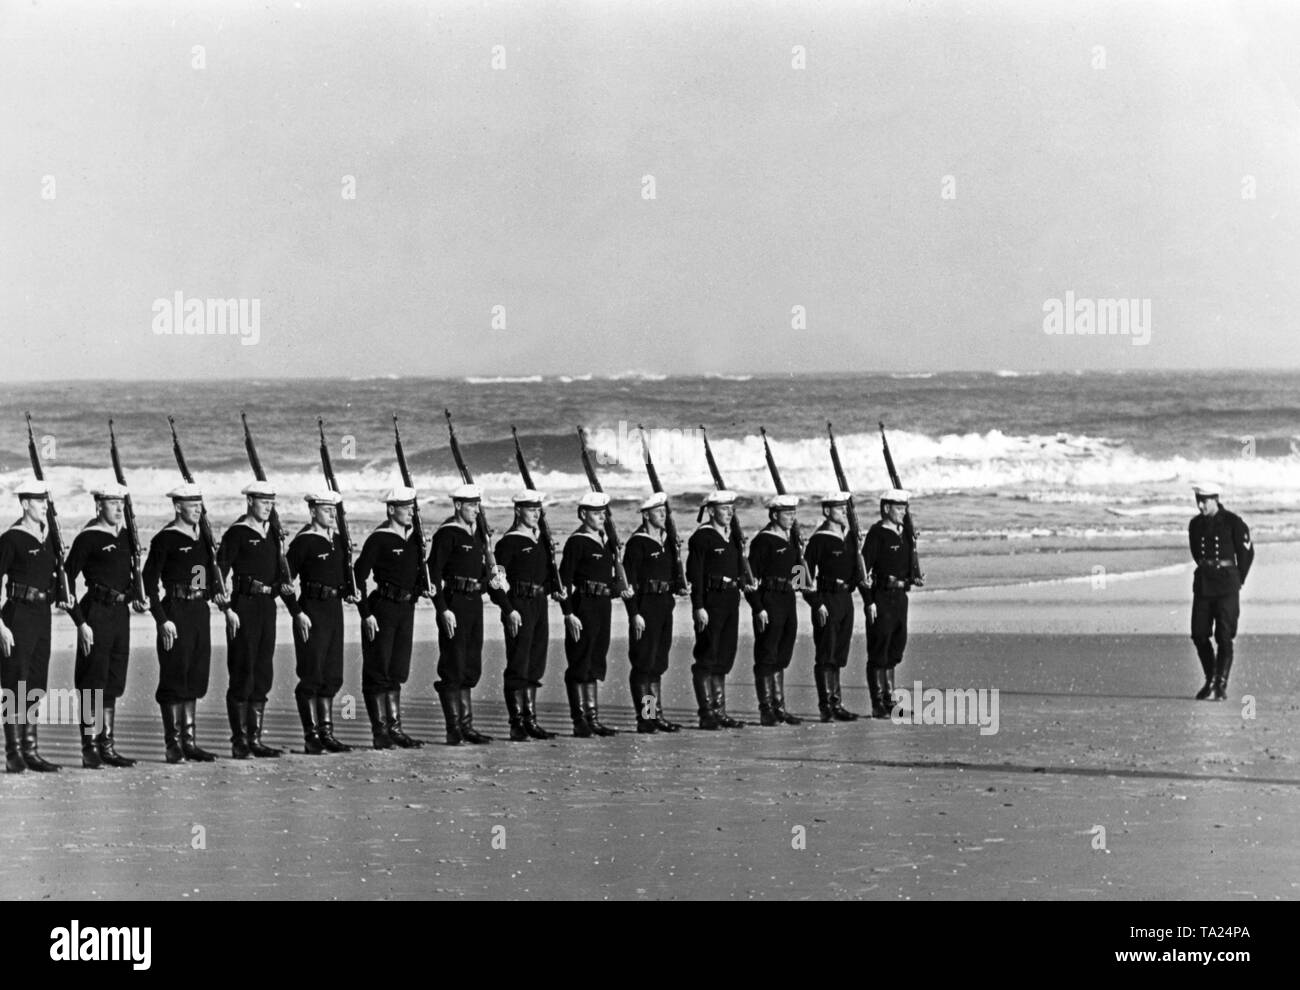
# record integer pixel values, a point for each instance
(900, 496)
(594, 500)
(185, 493)
(720, 497)
(654, 501)
(466, 493)
(837, 498)
(1207, 489)
(779, 503)
(527, 498)
(259, 489)
(400, 495)
(31, 488)
(110, 490)
(324, 496)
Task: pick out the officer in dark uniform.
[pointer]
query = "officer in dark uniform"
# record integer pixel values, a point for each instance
(774, 560)
(832, 570)
(27, 565)
(888, 559)
(250, 562)
(648, 563)
(394, 555)
(525, 562)
(459, 570)
(102, 553)
(177, 566)
(713, 570)
(1221, 546)
(587, 571)
(317, 558)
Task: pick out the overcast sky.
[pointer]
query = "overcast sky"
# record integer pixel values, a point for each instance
(1099, 148)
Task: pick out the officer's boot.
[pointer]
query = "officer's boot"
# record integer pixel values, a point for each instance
(107, 748)
(763, 688)
(531, 726)
(591, 708)
(375, 709)
(1205, 653)
(778, 700)
(580, 727)
(893, 702)
(643, 704)
(393, 701)
(1221, 678)
(661, 722)
(876, 690)
(171, 719)
(31, 752)
(256, 713)
(325, 725)
(237, 713)
(515, 702)
(838, 710)
(13, 749)
(311, 744)
(823, 694)
(704, 699)
(449, 697)
(467, 730)
(189, 733)
(720, 704)
(90, 758)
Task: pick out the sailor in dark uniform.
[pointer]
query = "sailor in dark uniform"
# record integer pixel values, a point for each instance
(774, 560)
(888, 560)
(459, 571)
(832, 575)
(317, 558)
(394, 555)
(587, 571)
(1221, 546)
(250, 562)
(713, 570)
(28, 569)
(526, 564)
(648, 563)
(178, 566)
(101, 553)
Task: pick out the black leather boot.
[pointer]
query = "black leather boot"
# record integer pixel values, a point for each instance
(90, 758)
(1221, 678)
(823, 694)
(704, 699)
(763, 688)
(515, 702)
(661, 721)
(467, 731)
(530, 716)
(189, 733)
(719, 682)
(311, 744)
(591, 708)
(876, 688)
(325, 726)
(841, 713)
(393, 702)
(643, 705)
(450, 714)
(13, 749)
(778, 700)
(893, 703)
(256, 712)
(237, 712)
(31, 754)
(107, 748)
(376, 710)
(580, 727)
(1205, 653)
(171, 719)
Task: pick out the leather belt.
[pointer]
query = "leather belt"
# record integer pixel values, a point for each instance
(464, 585)
(105, 595)
(26, 593)
(720, 583)
(526, 589)
(596, 589)
(832, 584)
(775, 584)
(654, 588)
(183, 592)
(320, 592)
(1218, 563)
(252, 586)
(392, 593)
(891, 583)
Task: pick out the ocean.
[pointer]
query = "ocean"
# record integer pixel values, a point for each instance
(1024, 460)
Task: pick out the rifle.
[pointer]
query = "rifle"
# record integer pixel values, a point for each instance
(674, 541)
(424, 586)
(611, 534)
(795, 536)
(62, 592)
(128, 512)
(215, 578)
(855, 533)
(737, 537)
(481, 524)
(273, 521)
(543, 528)
(341, 516)
(914, 576)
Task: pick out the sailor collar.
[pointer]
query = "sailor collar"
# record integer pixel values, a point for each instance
(589, 535)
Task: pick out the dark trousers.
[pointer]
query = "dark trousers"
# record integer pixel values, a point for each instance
(460, 657)
(589, 654)
(774, 646)
(386, 660)
(183, 670)
(1214, 618)
(887, 636)
(831, 639)
(250, 653)
(29, 660)
(104, 667)
(649, 654)
(319, 661)
(526, 651)
(715, 647)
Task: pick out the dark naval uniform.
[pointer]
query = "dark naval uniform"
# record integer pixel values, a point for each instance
(458, 564)
(888, 559)
(774, 560)
(832, 567)
(526, 563)
(395, 561)
(27, 565)
(648, 563)
(587, 572)
(1223, 552)
(319, 564)
(713, 570)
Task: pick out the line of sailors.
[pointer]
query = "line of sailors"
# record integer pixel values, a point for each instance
(179, 581)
